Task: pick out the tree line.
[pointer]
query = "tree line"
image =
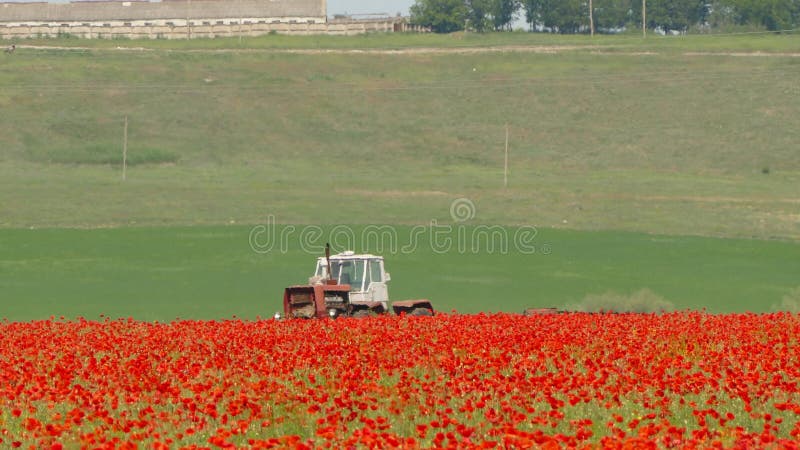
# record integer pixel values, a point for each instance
(609, 16)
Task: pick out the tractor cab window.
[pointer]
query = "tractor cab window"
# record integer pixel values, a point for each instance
(350, 272)
(322, 269)
(358, 273)
(367, 277)
(335, 270)
(375, 270)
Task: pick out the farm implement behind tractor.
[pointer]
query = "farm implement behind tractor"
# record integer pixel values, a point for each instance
(348, 285)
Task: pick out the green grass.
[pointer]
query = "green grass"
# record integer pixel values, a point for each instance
(664, 143)
(212, 272)
(620, 148)
(106, 155)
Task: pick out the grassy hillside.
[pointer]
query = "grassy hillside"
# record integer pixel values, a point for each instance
(648, 139)
(664, 142)
(212, 272)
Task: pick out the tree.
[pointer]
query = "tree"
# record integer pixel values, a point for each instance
(479, 13)
(503, 12)
(612, 14)
(572, 16)
(565, 16)
(721, 13)
(557, 16)
(671, 15)
(533, 12)
(771, 14)
(442, 16)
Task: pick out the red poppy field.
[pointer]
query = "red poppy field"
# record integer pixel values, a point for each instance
(571, 380)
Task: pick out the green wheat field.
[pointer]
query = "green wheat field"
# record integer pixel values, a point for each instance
(666, 168)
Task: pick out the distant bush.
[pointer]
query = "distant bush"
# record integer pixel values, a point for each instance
(641, 301)
(790, 302)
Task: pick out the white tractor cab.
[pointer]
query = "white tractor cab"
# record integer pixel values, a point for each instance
(364, 273)
(355, 286)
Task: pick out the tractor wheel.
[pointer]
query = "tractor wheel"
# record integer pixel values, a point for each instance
(361, 313)
(420, 312)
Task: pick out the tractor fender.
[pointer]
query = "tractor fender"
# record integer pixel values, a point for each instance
(370, 307)
(407, 306)
(541, 311)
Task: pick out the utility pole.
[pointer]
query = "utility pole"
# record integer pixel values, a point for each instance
(591, 18)
(505, 167)
(644, 18)
(125, 150)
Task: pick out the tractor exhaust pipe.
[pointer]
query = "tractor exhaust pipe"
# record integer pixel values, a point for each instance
(328, 261)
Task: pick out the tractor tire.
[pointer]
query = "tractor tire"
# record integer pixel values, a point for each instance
(362, 313)
(420, 312)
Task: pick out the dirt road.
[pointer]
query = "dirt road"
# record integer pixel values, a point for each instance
(542, 49)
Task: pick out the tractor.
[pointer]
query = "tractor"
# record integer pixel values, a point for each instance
(347, 285)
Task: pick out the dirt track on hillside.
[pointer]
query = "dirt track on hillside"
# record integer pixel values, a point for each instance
(337, 51)
(541, 49)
